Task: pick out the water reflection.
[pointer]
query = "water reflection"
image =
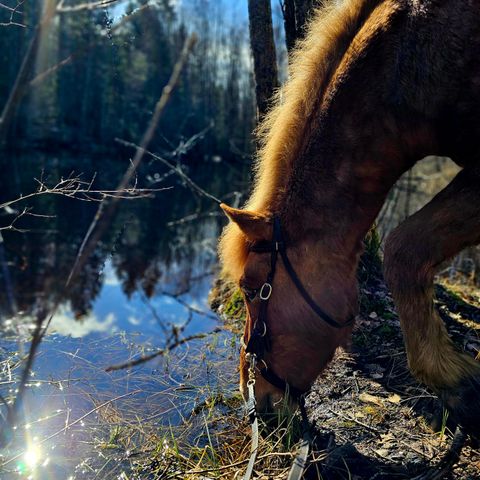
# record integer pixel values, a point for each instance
(149, 277)
(145, 246)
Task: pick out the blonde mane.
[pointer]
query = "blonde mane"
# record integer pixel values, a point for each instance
(282, 132)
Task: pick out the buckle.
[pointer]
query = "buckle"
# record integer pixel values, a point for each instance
(265, 291)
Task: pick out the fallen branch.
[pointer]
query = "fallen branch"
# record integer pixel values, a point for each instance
(161, 352)
(354, 420)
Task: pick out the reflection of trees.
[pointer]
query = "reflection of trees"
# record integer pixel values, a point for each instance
(143, 249)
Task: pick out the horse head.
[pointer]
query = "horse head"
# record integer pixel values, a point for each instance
(299, 302)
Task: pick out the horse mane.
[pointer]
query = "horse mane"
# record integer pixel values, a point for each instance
(282, 132)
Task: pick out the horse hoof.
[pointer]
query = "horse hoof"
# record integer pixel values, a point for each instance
(464, 405)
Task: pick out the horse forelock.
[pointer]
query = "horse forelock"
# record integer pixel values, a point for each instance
(282, 132)
(233, 250)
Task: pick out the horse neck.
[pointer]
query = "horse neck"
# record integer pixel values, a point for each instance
(335, 193)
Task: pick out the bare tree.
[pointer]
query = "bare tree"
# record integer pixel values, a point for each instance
(303, 9)
(290, 22)
(295, 16)
(263, 50)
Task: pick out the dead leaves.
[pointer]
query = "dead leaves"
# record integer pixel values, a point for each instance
(380, 401)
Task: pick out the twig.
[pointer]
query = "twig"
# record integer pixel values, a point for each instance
(174, 168)
(84, 6)
(351, 419)
(73, 187)
(161, 352)
(13, 11)
(189, 307)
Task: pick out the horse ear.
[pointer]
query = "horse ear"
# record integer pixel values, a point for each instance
(255, 226)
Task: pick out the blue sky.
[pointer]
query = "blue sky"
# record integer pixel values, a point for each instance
(236, 10)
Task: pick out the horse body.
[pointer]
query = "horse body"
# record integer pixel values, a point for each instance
(397, 80)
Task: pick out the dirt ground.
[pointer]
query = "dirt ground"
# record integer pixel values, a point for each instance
(372, 419)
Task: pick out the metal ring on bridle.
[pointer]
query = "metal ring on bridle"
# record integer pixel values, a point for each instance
(266, 295)
(264, 328)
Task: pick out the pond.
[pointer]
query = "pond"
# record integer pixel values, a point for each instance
(144, 288)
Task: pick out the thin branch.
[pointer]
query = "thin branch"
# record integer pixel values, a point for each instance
(61, 8)
(161, 352)
(189, 307)
(174, 168)
(25, 212)
(22, 77)
(13, 11)
(6, 7)
(74, 187)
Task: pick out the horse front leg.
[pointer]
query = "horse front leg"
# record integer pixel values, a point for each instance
(413, 251)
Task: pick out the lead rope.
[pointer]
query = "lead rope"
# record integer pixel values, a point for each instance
(252, 414)
(301, 459)
(300, 463)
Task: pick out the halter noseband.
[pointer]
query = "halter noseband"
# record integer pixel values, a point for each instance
(259, 342)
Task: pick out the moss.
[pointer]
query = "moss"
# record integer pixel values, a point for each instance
(235, 306)
(227, 301)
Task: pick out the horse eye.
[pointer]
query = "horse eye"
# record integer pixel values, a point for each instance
(250, 293)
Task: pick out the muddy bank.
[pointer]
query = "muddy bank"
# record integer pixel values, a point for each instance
(372, 417)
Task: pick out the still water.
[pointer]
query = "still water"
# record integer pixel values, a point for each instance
(144, 288)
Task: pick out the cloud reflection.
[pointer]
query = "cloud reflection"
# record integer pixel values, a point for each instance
(64, 323)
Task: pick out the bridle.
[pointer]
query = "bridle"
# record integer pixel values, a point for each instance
(259, 343)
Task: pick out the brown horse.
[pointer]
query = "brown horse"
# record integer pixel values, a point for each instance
(375, 86)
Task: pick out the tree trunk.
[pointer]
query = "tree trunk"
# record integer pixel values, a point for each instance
(295, 15)
(290, 22)
(263, 50)
(302, 12)
(20, 86)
